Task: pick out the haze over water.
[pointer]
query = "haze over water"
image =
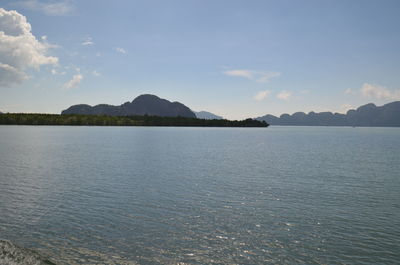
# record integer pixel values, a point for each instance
(147, 195)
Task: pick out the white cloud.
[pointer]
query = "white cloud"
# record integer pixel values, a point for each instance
(55, 72)
(10, 76)
(345, 107)
(284, 95)
(120, 50)
(375, 91)
(88, 41)
(379, 92)
(350, 91)
(241, 73)
(50, 8)
(265, 77)
(74, 82)
(19, 49)
(262, 95)
(95, 73)
(258, 76)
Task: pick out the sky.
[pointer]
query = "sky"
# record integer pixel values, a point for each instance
(237, 59)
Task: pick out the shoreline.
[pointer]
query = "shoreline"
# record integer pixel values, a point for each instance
(105, 120)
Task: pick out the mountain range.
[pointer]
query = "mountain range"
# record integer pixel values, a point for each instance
(142, 105)
(387, 115)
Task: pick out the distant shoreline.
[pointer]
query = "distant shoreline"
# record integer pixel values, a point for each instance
(368, 115)
(105, 120)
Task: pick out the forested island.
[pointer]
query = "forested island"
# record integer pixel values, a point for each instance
(107, 120)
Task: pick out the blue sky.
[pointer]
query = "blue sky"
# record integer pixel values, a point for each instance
(237, 59)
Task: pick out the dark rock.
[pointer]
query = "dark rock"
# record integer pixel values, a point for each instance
(13, 254)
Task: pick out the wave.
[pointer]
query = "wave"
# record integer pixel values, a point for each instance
(11, 254)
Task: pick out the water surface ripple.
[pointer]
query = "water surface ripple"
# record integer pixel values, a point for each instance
(143, 195)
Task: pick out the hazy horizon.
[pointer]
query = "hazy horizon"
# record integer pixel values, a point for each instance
(235, 59)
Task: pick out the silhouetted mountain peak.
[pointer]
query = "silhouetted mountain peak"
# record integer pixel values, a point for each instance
(299, 114)
(141, 105)
(147, 98)
(368, 106)
(395, 104)
(366, 115)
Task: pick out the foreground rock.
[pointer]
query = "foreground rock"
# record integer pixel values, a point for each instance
(11, 254)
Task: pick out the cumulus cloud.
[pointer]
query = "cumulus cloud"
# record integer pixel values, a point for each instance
(74, 82)
(50, 8)
(262, 95)
(284, 95)
(10, 76)
(120, 50)
(19, 49)
(258, 76)
(375, 91)
(379, 92)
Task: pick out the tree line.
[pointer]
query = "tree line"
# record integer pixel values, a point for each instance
(105, 120)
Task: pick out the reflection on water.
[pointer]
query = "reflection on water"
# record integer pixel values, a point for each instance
(112, 195)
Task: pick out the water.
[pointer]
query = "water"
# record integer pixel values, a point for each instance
(142, 195)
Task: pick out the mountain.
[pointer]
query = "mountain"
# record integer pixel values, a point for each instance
(387, 115)
(142, 105)
(207, 115)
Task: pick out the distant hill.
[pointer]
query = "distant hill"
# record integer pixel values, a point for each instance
(142, 105)
(387, 115)
(207, 115)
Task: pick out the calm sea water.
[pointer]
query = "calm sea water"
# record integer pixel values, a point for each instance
(142, 195)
